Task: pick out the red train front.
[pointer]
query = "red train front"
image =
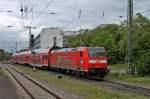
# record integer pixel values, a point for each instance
(83, 61)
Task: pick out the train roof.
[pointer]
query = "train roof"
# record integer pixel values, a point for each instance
(64, 50)
(22, 53)
(37, 51)
(73, 49)
(48, 50)
(41, 51)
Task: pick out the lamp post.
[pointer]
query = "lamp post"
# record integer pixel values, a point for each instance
(9, 26)
(7, 11)
(52, 13)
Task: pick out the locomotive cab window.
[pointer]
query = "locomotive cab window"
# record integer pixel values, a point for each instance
(81, 54)
(97, 52)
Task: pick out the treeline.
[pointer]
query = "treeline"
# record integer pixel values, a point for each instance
(113, 38)
(4, 55)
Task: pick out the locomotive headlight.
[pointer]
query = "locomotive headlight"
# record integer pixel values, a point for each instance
(81, 61)
(103, 61)
(92, 61)
(97, 61)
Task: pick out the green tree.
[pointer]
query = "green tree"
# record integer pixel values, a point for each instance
(113, 38)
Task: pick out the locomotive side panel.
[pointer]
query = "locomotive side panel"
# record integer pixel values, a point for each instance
(66, 60)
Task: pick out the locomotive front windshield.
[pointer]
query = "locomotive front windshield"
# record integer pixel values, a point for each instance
(97, 52)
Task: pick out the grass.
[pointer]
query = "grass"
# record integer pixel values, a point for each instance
(126, 77)
(118, 66)
(88, 91)
(130, 78)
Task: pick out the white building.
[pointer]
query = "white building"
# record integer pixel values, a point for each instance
(46, 38)
(68, 34)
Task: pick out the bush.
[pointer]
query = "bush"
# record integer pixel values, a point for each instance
(144, 65)
(0, 72)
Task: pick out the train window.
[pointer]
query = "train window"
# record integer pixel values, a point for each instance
(27, 57)
(45, 57)
(97, 51)
(74, 49)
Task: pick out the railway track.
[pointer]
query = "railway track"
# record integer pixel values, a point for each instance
(128, 87)
(119, 86)
(115, 85)
(34, 89)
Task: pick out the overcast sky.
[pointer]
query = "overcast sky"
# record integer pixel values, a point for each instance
(37, 14)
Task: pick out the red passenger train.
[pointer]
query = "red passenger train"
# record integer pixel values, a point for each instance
(82, 61)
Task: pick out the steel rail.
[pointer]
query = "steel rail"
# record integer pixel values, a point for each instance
(114, 84)
(26, 90)
(33, 81)
(130, 88)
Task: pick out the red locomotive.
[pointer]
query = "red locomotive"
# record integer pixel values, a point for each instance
(82, 61)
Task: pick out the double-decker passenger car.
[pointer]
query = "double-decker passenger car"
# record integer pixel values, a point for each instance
(40, 58)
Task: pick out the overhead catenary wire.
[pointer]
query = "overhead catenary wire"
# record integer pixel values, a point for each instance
(42, 11)
(72, 21)
(144, 11)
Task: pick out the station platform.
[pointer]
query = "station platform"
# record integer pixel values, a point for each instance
(6, 88)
